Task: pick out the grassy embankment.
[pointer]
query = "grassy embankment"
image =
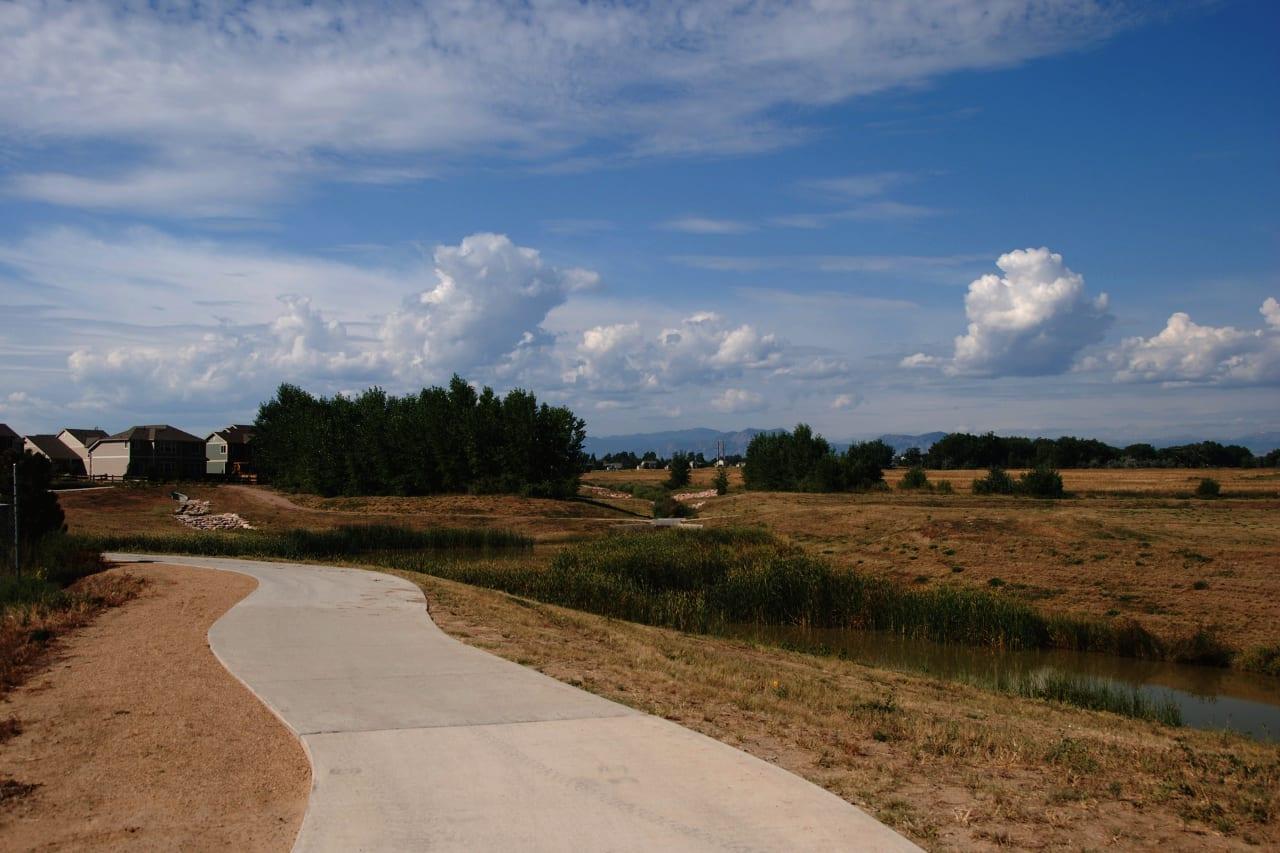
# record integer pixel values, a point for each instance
(951, 765)
(60, 589)
(705, 581)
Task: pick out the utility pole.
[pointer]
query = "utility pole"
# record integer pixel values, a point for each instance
(17, 567)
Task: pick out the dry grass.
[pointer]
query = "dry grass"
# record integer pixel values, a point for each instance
(951, 766)
(1175, 566)
(27, 631)
(149, 509)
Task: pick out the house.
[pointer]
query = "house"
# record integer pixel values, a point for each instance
(613, 466)
(9, 440)
(80, 440)
(154, 450)
(65, 461)
(649, 465)
(229, 452)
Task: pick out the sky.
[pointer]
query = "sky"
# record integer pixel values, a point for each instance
(1027, 216)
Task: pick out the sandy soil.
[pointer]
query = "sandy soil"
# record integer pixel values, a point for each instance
(136, 737)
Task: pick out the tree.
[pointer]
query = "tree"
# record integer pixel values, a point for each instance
(864, 463)
(721, 481)
(439, 440)
(679, 477)
(38, 511)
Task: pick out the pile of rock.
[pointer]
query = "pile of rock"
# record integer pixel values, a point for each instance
(688, 496)
(196, 514)
(601, 492)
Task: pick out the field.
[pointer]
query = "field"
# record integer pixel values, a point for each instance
(951, 765)
(1124, 548)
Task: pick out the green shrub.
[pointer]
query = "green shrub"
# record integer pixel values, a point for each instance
(997, 482)
(665, 506)
(1041, 482)
(721, 481)
(679, 472)
(915, 478)
(1208, 488)
(944, 488)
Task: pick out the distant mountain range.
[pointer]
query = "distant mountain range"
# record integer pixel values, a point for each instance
(900, 443)
(703, 440)
(699, 440)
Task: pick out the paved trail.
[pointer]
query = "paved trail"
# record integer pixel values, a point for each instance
(420, 742)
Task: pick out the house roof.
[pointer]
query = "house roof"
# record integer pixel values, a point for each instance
(54, 449)
(85, 436)
(5, 432)
(155, 432)
(234, 434)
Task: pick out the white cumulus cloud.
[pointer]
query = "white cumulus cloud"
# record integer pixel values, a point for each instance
(1187, 352)
(1031, 321)
(489, 300)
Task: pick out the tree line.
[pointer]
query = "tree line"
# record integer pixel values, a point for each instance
(800, 461)
(964, 450)
(439, 440)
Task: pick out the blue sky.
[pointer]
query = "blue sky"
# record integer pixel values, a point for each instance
(1020, 216)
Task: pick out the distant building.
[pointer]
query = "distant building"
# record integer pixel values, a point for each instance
(65, 461)
(649, 465)
(154, 450)
(229, 452)
(9, 440)
(613, 466)
(80, 440)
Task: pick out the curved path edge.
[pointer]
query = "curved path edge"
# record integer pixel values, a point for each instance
(418, 741)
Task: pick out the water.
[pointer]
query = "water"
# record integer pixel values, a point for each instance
(1208, 697)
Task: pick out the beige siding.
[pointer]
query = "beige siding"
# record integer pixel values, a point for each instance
(216, 455)
(110, 458)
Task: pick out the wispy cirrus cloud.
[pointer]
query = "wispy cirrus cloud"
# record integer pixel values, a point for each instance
(293, 91)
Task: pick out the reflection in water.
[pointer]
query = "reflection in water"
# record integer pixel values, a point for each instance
(1208, 697)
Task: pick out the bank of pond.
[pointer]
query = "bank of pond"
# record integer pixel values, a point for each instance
(745, 582)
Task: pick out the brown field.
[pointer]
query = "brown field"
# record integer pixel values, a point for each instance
(149, 508)
(1123, 548)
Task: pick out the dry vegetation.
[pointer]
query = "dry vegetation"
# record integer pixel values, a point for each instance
(951, 766)
(29, 632)
(1125, 548)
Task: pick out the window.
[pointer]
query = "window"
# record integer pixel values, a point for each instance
(222, 448)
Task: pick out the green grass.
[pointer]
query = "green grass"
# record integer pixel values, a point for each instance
(1089, 693)
(706, 580)
(345, 541)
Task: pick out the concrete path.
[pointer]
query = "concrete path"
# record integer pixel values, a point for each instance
(420, 742)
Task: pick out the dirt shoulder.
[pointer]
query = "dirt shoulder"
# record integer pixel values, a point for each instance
(136, 737)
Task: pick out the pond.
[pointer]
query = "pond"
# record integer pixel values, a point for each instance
(1208, 697)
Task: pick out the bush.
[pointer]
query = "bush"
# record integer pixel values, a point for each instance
(721, 481)
(1264, 659)
(915, 478)
(679, 477)
(944, 488)
(1042, 482)
(665, 506)
(1208, 488)
(997, 482)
